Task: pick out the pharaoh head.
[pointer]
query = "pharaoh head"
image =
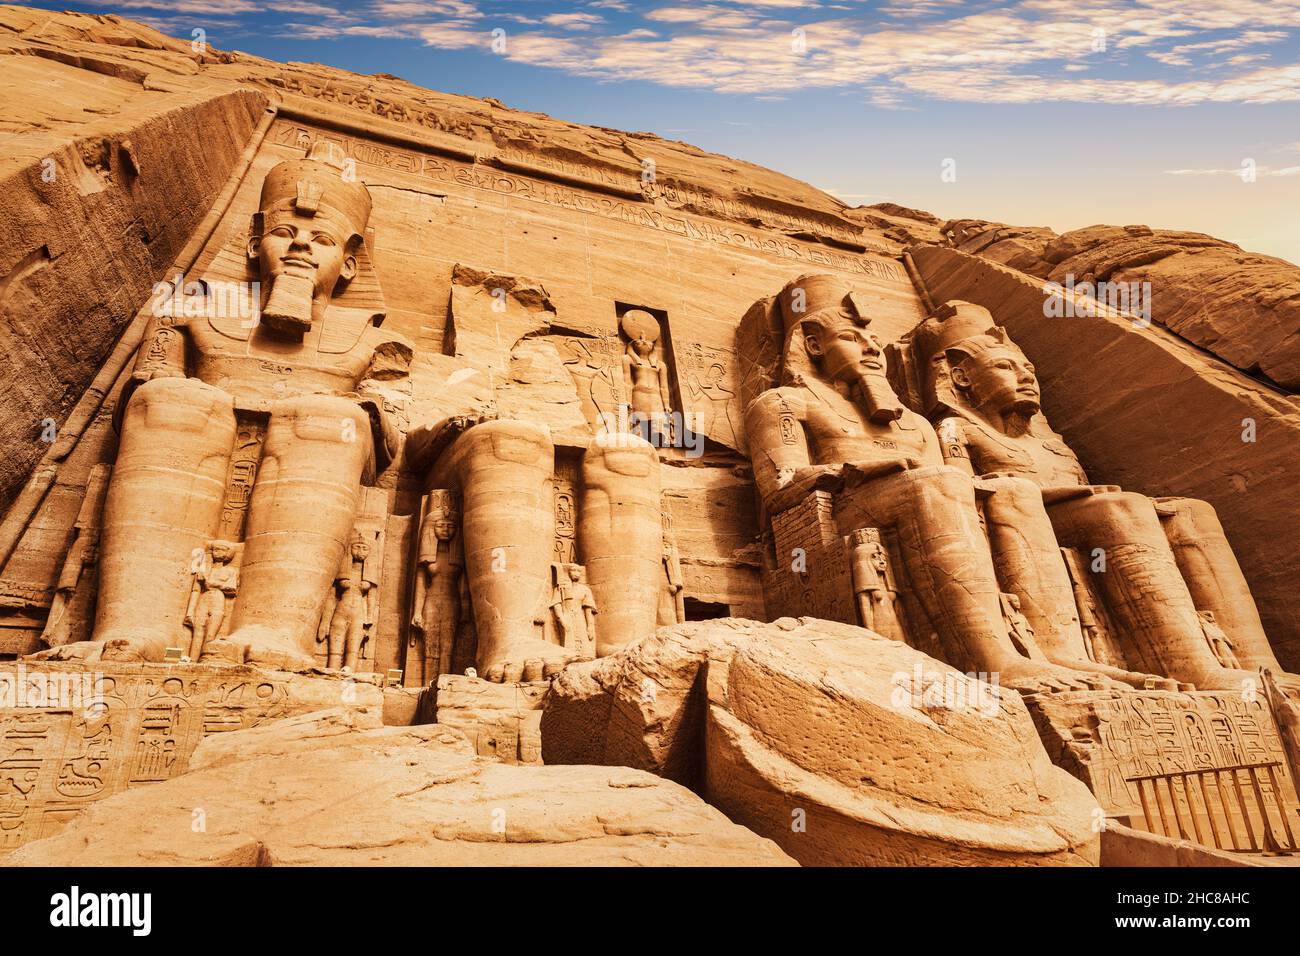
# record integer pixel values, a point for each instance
(995, 377)
(306, 235)
(360, 548)
(836, 340)
(970, 362)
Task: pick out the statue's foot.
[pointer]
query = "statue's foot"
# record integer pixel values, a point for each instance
(85, 651)
(1149, 681)
(1038, 677)
(126, 645)
(526, 660)
(268, 647)
(1125, 677)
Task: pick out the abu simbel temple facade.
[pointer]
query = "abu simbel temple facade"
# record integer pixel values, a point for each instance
(396, 477)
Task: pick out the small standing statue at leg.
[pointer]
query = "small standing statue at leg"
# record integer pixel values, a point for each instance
(439, 584)
(573, 608)
(877, 598)
(350, 610)
(672, 601)
(1218, 640)
(215, 582)
(1019, 628)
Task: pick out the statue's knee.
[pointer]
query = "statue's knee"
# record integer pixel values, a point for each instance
(1200, 513)
(621, 454)
(181, 404)
(1015, 497)
(940, 482)
(515, 442)
(321, 418)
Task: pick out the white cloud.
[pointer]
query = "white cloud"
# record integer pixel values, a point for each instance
(994, 51)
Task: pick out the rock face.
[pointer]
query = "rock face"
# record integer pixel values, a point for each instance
(1241, 306)
(844, 748)
(319, 792)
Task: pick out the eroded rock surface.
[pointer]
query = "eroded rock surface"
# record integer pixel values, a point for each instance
(1242, 306)
(825, 738)
(318, 791)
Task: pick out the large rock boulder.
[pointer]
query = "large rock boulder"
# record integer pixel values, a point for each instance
(841, 746)
(644, 706)
(316, 790)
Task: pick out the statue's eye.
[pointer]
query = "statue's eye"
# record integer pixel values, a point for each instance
(323, 239)
(849, 336)
(284, 231)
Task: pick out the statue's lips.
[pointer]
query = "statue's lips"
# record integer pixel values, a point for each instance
(300, 263)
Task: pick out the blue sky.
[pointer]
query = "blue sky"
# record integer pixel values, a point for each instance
(1057, 112)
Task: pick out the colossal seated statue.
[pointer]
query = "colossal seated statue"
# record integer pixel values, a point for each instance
(1156, 564)
(502, 472)
(208, 387)
(834, 423)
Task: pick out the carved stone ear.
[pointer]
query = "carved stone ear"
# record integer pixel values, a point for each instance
(959, 377)
(348, 271)
(255, 236)
(812, 339)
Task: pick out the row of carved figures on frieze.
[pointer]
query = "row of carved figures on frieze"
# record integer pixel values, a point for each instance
(918, 489)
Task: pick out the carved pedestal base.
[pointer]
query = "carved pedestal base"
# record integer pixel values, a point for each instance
(501, 720)
(1109, 739)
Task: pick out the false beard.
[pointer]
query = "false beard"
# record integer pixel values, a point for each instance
(288, 307)
(877, 399)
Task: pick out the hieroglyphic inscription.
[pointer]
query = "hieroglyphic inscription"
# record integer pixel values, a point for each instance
(708, 389)
(244, 459)
(141, 727)
(1116, 737)
(476, 176)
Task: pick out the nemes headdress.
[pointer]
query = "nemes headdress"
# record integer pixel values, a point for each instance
(954, 331)
(322, 181)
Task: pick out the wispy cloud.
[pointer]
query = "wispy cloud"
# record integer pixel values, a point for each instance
(1256, 170)
(1148, 52)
